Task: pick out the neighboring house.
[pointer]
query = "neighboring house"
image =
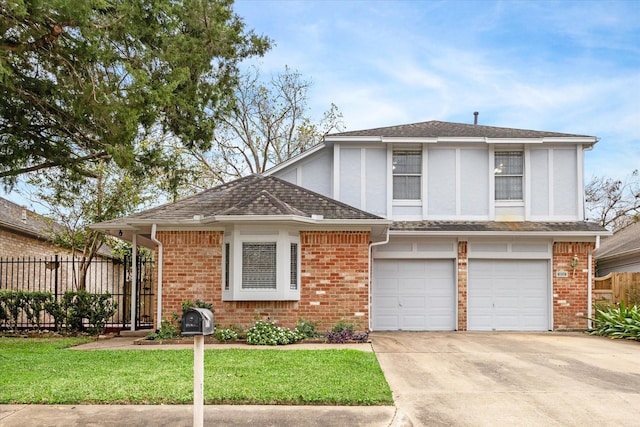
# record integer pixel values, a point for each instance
(427, 226)
(24, 233)
(27, 254)
(619, 253)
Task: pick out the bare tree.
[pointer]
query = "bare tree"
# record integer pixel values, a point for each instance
(269, 125)
(614, 203)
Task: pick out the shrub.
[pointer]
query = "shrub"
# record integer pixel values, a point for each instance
(167, 331)
(308, 328)
(344, 332)
(225, 335)
(617, 322)
(267, 333)
(186, 305)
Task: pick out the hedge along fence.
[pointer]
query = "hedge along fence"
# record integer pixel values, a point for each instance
(71, 313)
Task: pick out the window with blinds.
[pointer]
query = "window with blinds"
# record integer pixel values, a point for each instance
(509, 170)
(259, 267)
(407, 175)
(294, 267)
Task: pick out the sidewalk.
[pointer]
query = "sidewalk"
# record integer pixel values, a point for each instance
(182, 415)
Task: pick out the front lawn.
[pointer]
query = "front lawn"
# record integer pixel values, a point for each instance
(44, 371)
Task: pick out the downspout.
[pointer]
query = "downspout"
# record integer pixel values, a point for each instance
(590, 281)
(371, 245)
(159, 296)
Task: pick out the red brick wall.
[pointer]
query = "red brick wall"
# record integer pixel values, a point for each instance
(334, 280)
(570, 293)
(462, 286)
(192, 268)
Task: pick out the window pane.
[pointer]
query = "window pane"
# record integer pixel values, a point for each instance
(508, 163)
(294, 266)
(226, 266)
(407, 162)
(508, 188)
(259, 265)
(406, 187)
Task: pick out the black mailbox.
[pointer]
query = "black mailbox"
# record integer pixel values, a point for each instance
(197, 321)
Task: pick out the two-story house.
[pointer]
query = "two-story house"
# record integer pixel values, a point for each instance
(431, 226)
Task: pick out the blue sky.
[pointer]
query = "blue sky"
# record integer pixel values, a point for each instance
(565, 66)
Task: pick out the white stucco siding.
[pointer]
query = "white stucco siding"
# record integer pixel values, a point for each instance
(539, 183)
(316, 173)
(565, 179)
(350, 170)
(376, 181)
(474, 182)
(441, 182)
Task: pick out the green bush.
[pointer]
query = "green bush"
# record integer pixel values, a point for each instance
(167, 331)
(70, 312)
(267, 333)
(225, 335)
(617, 322)
(186, 305)
(308, 328)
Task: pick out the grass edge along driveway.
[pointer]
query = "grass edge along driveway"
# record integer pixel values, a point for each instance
(44, 371)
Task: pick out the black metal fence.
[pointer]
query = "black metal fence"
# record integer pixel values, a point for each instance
(60, 274)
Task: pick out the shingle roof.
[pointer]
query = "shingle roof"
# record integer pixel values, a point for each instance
(495, 226)
(251, 195)
(436, 129)
(624, 241)
(18, 218)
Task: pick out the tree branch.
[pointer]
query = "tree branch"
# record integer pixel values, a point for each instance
(47, 165)
(44, 40)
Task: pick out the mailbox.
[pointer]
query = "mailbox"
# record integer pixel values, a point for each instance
(197, 321)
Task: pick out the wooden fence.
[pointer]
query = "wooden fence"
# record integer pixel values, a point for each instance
(617, 287)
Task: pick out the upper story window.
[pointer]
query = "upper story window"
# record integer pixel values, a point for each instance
(509, 171)
(407, 175)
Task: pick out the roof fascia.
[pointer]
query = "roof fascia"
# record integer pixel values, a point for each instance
(462, 139)
(580, 234)
(294, 159)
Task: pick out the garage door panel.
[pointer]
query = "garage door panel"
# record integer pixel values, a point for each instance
(423, 294)
(508, 295)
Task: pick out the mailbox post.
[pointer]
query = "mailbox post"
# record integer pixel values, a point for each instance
(198, 322)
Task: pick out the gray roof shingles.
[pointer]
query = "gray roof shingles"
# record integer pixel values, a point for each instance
(624, 241)
(253, 195)
(434, 129)
(496, 226)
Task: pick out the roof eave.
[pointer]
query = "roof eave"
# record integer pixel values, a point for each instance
(454, 233)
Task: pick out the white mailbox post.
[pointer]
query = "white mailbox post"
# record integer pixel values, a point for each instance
(198, 322)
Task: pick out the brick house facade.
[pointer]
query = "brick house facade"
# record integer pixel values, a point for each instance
(426, 226)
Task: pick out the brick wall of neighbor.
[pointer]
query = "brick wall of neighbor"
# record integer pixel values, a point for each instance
(334, 280)
(570, 306)
(462, 286)
(20, 245)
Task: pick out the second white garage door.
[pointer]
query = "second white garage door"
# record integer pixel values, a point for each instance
(508, 295)
(413, 295)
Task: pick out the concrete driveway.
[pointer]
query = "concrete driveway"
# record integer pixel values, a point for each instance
(511, 379)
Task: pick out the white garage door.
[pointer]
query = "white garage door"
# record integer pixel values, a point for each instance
(413, 295)
(508, 295)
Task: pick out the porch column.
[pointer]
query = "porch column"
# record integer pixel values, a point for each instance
(134, 279)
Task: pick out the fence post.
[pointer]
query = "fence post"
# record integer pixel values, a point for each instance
(55, 276)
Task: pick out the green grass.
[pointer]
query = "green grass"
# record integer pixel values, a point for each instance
(45, 371)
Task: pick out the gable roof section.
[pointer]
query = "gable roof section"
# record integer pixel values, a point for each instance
(254, 195)
(624, 242)
(21, 220)
(434, 129)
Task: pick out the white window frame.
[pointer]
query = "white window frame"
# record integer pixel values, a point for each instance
(395, 152)
(232, 289)
(497, 173)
